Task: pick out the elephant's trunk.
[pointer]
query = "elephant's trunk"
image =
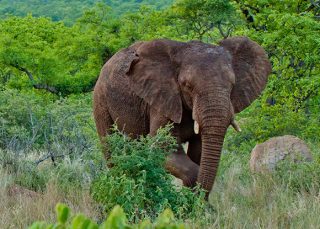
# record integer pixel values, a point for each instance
(214, 115)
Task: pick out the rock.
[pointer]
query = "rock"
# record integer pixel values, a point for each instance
(266, 155)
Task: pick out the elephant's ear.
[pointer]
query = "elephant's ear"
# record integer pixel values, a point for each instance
(251, 67)
(154, 78)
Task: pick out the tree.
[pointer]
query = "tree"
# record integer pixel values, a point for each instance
(203, 19)
(289, 30)
(39, 53)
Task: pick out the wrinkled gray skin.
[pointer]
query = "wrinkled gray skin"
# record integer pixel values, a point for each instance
(150, 84)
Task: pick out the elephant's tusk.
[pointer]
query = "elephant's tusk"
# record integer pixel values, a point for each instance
(235, 125)
(196, 127)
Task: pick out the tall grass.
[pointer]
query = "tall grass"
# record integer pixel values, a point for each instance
(244, 200)
(239, 200)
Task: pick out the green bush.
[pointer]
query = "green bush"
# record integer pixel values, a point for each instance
(116, 220)
(33, 121)
(138, 181)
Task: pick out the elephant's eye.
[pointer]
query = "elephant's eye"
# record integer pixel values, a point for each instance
(188, 85)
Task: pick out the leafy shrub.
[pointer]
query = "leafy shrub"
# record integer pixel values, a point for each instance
(31, 121)
(116, 220)
(138, 181)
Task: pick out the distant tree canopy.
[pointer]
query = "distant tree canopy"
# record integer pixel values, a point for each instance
(70, 10)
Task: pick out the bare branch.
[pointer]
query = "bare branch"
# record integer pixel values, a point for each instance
(46, 87)
(221, 31)
(49, 156)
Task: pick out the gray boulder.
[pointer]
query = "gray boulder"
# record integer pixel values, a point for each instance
(265, 156)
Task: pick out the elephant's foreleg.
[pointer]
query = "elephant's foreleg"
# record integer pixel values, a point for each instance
(194, 149)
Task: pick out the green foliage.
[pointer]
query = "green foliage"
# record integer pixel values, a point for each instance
(138, 181)
(99, 23)
(62, 213)
(28, 175)
(116, 220)
(145, 24)
(206, 20)
(289, 32)
(38, 53)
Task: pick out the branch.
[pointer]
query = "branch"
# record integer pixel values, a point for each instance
(305, 98)
(25, 71)
(221, 31)
(46, 87)
(50, 156)
(314, 4)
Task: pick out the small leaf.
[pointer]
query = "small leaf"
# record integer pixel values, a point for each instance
(116, 220)
(62, 213)
(81, 222)
(146, 224)
(166, 217)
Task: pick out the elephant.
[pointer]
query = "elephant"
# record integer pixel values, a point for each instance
(198, 87)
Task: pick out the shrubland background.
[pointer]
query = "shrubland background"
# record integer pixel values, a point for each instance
(51, 53)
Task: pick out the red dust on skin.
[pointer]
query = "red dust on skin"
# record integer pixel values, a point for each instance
(150, 84)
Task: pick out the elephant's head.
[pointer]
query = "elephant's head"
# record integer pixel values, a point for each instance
(214, 82)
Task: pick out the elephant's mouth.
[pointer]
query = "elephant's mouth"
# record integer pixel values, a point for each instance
(197, 127)
(233, 123)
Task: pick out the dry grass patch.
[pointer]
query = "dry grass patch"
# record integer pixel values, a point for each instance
(19, 210)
